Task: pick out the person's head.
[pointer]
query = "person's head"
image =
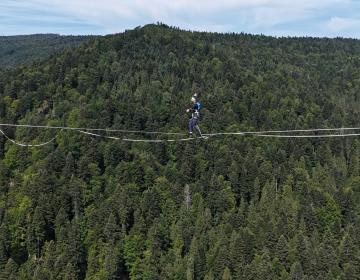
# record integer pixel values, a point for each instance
(193, 99)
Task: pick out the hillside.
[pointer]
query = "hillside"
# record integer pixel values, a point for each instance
(230, 207)
(25, 49)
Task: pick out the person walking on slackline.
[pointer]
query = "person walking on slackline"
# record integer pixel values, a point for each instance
(195, 114)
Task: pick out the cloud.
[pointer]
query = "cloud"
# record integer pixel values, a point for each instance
(131, 9)
(337, 24)
(254, 16)
(256, 13)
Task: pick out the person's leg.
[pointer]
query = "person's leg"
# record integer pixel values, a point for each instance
(191, 125)
(194, 122)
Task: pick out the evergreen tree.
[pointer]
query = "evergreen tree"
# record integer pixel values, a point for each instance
(296, 272)
(281, 250)
(37, 232)
(227, 274)
(3, 246)
(9, 272)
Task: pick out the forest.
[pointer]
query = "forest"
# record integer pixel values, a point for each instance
(24, 49)
(229, 207)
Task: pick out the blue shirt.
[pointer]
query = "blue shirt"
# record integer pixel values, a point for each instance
(195, 110)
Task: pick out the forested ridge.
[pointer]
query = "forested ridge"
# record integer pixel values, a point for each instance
(231, 207)
(25, 49)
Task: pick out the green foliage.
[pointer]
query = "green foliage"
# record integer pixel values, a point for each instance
(225, 208)
(25, 49)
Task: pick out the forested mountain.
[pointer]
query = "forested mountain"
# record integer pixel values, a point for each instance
(25, 49)
(230, 207)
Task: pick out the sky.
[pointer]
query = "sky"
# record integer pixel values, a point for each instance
(317, 18)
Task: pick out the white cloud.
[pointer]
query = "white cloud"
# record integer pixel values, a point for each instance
(337, 24)
(262, 12)
(256, 16)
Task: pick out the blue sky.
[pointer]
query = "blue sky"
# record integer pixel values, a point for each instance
(320, 18)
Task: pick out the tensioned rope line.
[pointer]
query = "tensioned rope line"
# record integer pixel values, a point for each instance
(91, 129)
(307, 136)
(236, 133)
(98, 135)
(282, 131)
(245, 133)
(139, 140)
(27, 145)
(176, 133)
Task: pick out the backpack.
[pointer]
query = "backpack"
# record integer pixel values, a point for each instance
(199, 105)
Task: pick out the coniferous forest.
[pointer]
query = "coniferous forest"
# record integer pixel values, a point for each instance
(229, 207)
(24, 49)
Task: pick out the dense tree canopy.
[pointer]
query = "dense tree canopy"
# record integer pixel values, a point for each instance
(225, 208)
(25, 49)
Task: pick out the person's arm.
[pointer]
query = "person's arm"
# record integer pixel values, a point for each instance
(193, 108)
